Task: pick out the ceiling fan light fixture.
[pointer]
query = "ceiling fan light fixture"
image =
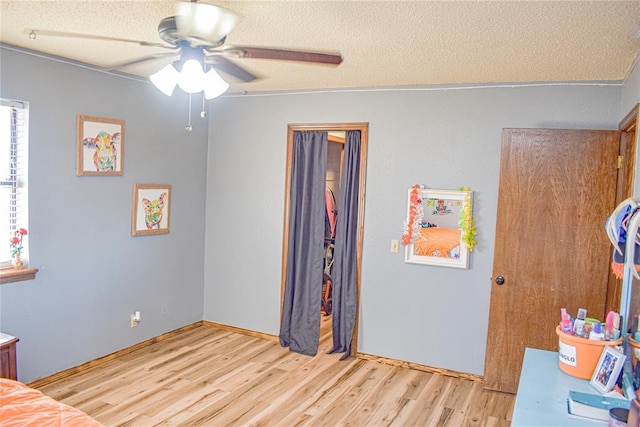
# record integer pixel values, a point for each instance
(166, 79)
(214, 85)
(191, 79)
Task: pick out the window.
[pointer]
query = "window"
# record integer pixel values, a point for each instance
(14, 116)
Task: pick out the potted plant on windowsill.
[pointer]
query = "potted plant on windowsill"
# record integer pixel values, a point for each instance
(16, 248)
(17, 272)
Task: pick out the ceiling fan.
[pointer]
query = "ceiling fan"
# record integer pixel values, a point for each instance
(195, 38)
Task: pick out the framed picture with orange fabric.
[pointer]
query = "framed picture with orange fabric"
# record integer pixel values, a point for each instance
(151, 212)
(99, 146)
(435, 227)
(605, 376)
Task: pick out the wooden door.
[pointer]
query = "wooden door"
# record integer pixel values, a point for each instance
(556, 189)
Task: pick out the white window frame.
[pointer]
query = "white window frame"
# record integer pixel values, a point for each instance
(14, 163)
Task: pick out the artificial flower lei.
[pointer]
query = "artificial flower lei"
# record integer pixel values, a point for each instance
(466, 223)
(416, 213)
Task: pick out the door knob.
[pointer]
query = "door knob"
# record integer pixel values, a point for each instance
(500, 280)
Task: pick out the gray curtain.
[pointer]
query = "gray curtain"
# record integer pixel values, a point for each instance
(344, 265)
(300, 325)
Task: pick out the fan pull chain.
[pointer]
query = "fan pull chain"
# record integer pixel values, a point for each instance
(203, 113)
(188, 127)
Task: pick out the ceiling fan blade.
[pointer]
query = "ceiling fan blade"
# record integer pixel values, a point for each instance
(203, 24)
(143, 59)
(34, 33)
(282, 54)
(223, 64)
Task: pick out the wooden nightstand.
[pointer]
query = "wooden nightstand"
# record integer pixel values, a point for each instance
(8, 365)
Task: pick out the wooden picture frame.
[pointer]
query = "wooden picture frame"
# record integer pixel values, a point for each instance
(151, 212)
(439, 241)
(607, 370)
(99, 146)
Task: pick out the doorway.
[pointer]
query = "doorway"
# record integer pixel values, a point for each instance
(628, 141)
(334, 130)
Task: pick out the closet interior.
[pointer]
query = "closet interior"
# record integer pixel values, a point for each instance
(335, 154)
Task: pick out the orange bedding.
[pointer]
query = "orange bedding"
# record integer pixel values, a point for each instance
(436, 242)
(22, 406)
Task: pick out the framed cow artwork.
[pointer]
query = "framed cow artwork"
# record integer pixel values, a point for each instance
(151, 209)
(99, 146)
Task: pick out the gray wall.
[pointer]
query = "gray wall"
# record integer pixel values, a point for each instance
(93, 273)
(629, 99)
(440, 137)
(631, 90)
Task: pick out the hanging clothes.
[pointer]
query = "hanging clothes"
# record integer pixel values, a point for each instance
(329, 247)
(330, 202)
(622, 230)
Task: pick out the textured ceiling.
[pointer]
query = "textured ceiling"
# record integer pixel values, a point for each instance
(383, 43)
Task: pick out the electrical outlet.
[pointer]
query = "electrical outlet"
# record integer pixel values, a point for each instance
(395, 246)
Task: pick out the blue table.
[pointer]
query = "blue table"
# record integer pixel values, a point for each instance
(542, 392)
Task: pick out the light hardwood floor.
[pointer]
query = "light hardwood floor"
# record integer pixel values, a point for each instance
(209, 376)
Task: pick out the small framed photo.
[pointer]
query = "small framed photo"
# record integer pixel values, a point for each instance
(99, 146)
(607, 370)
(151, 209)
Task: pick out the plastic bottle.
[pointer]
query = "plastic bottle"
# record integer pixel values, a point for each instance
(609, 328)
(565, 323)
(578, 324)
(596, 333)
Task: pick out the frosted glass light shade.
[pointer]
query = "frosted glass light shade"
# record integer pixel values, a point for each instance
(214, 85)
(165, 79)
(200, 21)
(191, 79)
